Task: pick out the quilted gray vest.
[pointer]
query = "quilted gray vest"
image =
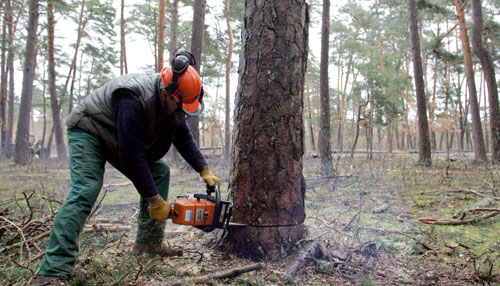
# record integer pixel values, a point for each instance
(94, 114)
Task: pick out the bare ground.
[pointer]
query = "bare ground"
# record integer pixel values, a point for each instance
(367, 217)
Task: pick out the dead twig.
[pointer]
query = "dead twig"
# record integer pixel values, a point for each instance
(23, 239)
(218, 275)
(458, 221)
(36, 238)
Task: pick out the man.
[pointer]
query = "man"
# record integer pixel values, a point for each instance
(131, 123)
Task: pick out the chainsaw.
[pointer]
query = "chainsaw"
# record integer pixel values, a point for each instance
(203, 211)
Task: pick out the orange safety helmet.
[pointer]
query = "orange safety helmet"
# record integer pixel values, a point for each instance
(189, 87)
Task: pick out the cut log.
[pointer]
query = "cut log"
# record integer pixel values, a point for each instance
(230, 273)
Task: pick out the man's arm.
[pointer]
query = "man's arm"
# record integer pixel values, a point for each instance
(131, 131)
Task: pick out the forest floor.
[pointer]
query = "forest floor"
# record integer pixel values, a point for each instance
(368, 216)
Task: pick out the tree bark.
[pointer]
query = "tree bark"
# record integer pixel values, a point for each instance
(161, 34)
(325, 151)
(424, 143)
(477, 130)
(489, 72)
(196, 49)
(22, 134)
(56, 117)
(227, 131)
(267, 185)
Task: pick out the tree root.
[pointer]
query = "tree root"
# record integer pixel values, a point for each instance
(218, 275)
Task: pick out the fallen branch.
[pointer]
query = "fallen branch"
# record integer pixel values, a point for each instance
(312, 250)
(230, 273)
(458, 221)
(106, 227)
(471, 192)
(116, 185)
(473, 210)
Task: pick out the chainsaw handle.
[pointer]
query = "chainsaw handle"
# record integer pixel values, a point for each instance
(210, 190)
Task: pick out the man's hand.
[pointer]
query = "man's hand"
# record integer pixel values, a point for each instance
(159, 210)
(209, 178)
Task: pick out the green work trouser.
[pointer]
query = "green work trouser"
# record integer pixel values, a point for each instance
(87, 169)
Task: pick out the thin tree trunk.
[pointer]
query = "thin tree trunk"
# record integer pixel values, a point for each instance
(489, 71)
(324, 140)
(227, 133)
(423, 125)
(123, 53)
(311, 130)
(22, 134)
(479, 147)
(54, 102)
(196, 49)
(75, 56)
(174, 20)
(161, 34)
(356, 136)
(3, 79)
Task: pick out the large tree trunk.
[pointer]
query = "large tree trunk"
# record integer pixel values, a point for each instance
(56, 117)
(424, 143)
(227, 131)
(196, 49)
(325, 151)
(477, 130)
(267, 184)
(22, 134)
(489, 72)
(161, 35)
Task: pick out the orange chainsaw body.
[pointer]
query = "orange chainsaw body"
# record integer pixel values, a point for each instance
(195, 212)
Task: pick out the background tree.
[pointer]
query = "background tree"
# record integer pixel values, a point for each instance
(123, 53)
(161, 34)
(227, 131)
(22, 134)
(477, 130)
(58, 128)
(196, 49)
(424, 152)
(489, 71)
(325, 151)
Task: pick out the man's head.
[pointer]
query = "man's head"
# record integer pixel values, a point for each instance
(182, 85)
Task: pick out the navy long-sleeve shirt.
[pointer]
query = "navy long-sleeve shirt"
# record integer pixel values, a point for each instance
(131, 125)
